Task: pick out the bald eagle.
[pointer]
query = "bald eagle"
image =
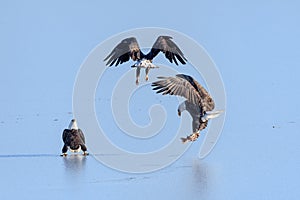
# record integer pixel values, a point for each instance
(73, 139)
(129, 48)
(199, 103)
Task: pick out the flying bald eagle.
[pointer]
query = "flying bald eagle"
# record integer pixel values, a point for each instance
(73, 139)
(129, 48)
(199, 103)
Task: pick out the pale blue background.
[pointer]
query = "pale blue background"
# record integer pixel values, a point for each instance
(255, 45)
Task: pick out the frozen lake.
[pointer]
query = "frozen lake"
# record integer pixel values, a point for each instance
(258, 162)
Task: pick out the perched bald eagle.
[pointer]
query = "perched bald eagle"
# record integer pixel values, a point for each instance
(199, 103)
(73, 139)
(129, 48)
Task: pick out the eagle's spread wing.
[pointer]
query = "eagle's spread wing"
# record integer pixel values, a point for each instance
(177, 86)
(127, 48)
(66, 135)
(169, 48)
(81, 135)
(207, 103)
(185, 86)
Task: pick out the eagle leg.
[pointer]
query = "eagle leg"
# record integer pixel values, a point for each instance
(138, 71)
(147, 72)
(64, 150)
(84, 149)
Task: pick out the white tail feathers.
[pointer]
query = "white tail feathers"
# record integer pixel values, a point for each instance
(211, 114)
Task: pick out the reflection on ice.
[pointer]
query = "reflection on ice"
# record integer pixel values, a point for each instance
(74, 169)
(74, 163)
(200, 177)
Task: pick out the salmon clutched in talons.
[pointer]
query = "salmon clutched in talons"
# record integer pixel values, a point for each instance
(193, 137)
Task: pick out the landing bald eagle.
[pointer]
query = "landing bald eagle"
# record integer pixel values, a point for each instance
(129, 48)
(199, 103)
(73, 139)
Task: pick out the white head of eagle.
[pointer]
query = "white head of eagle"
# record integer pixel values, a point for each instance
(73, 125)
